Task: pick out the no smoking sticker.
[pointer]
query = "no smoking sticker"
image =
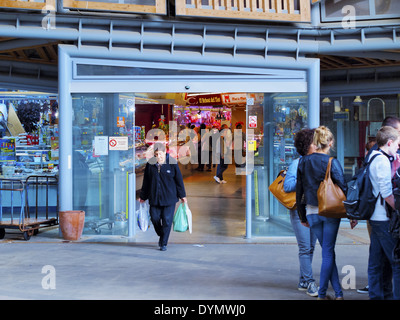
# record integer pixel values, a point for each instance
(113, 143)
(252, 121)
(118, 143)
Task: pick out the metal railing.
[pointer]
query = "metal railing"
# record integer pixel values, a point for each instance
(273, 10)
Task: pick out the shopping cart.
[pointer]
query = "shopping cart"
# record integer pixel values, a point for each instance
(26, 222)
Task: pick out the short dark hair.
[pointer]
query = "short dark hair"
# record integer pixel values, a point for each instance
(303, 140)
(390, 121)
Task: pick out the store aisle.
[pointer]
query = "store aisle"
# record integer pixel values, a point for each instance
(218, 209)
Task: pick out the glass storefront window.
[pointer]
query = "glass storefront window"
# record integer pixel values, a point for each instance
(387, 7)
(333, 9)
(365, 116)
(103, 153)
(278, 117)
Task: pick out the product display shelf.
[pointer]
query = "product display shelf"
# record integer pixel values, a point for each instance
(34, 155)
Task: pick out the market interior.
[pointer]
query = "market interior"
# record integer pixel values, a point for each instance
(218, 209)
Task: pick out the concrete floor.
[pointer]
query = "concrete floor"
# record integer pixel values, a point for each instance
(215, 262)
(218, 210)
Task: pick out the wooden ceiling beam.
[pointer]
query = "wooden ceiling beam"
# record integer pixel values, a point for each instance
(338, 61)
(52, 52)
(363, 61)
(28, 47)
(19, 59)
(330, 63)
(21, 54)
(42, 54)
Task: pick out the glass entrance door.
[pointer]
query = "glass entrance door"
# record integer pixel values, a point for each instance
(103, 160)
(274, 120)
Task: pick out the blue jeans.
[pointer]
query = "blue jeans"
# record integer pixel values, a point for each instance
(326, 230)
(221, 167)
(306, 240)
(382, 245)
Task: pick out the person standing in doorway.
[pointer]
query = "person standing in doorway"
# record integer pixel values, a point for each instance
(225, 143)
(239, 128)
(306, 239)
(163, 187)
(310, 174)
(213, 154)
(200, 145)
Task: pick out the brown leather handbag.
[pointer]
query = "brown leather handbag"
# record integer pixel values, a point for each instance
(288, 199)
(330, 197)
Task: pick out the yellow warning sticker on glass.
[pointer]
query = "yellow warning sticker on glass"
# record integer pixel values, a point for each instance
(252, 145)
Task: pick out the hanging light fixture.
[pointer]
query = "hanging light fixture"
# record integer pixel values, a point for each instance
(357, 101)
(326, 102)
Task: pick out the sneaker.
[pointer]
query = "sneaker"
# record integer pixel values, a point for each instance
(217, 179)
(312, 289)
(222, 181)
(302, 286)
(363, 290)
(327, 297)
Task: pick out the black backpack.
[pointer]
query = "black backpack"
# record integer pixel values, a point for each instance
(360, 200)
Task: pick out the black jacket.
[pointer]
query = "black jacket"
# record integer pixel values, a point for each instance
(162, 188)
(310, 173)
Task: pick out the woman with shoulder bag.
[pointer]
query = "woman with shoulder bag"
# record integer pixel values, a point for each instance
(306, 239)
(311, 172)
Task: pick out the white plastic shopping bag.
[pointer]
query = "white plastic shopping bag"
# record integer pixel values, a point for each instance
(143, 215)
(189, 217)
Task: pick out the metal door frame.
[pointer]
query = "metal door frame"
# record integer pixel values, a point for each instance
(246, 75)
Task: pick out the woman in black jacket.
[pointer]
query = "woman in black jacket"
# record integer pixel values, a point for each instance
(310, 174)
(163, 187)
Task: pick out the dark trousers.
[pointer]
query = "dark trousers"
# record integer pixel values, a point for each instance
(161, 217)
(382, 244)
(221, 167)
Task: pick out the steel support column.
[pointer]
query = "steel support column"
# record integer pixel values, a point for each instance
(65, 129)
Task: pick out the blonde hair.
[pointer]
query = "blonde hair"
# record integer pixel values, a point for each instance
(323, 137)
(385, 134)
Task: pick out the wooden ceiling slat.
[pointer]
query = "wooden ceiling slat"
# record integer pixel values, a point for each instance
(22, 54)
(362, 61)
(338, 61)
(42, 54)
(52, 52)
